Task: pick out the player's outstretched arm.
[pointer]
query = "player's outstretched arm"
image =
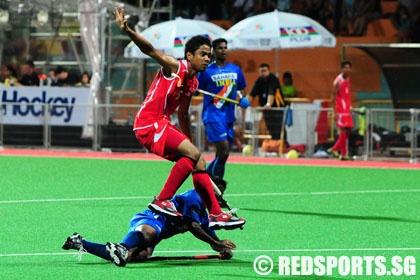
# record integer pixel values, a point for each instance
(168, 63)
(218, 245)
(226, 254)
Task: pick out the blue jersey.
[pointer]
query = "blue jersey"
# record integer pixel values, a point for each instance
(188, 203)
(224, 81)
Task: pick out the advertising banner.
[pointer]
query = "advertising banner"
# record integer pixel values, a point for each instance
(29, 105)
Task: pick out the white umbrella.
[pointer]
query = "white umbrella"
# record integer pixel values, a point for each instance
(171, 36)
(278, 30)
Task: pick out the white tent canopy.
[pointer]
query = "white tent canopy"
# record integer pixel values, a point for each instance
(278, 30)
(170, 36)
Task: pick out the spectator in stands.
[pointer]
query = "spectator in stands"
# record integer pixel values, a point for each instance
(242, 9)
(367, 10)
(10, 76)
(284, 6)
(263, 6)
(288, 89)
(402, 21)
(267, 88)
(65, 78)
(317, 10)
(343, 15)
(2, 75)
(182, 8)
(179, 12)
(84, 80)
(29, 77)
(219, 10)
(51, 78)
(411, 5)
(199, 13)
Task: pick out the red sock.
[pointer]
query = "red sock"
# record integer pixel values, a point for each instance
(344, 142)
(204, 188)
(179, 173)
(337, 145)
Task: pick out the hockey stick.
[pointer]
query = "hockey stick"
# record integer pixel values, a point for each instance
(218, 96)
(239, 94)
(220, 195)
(174, 258)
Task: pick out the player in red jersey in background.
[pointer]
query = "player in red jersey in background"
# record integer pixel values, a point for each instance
(341, 100)
(171, 89)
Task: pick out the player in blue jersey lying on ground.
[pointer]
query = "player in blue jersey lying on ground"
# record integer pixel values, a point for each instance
(148, 228)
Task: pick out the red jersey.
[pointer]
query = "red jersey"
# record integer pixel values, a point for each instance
(165, 94)
(342, 97)
(152, 124)
(343, 102)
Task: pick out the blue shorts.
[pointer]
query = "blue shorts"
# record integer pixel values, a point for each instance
(217, 132)
(150, 218)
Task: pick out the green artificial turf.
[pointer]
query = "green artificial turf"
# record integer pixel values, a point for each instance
(290, 211)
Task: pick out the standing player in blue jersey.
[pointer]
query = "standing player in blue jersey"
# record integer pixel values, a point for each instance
(224, 79)
(148, 228)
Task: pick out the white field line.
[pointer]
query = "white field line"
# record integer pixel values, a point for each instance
(227, 195)
(237, 251)
(75, 199)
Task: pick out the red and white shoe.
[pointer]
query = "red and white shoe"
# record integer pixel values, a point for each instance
(164, 207)
(226, 221)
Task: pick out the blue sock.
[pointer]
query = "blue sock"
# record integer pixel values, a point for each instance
(134, 239)
(210, 167)
(218, 168)
(96, 249)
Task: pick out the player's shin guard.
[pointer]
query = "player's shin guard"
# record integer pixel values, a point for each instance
(179, 173)
(204, 188)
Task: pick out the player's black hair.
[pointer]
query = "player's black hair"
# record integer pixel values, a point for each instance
(344, 63)
(264, 65)
(12, 70)
(60, 69)
(194, 43)
(216, 42)
(30, 63)
(287, 75)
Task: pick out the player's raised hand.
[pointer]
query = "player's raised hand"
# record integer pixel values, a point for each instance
(120, 18)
